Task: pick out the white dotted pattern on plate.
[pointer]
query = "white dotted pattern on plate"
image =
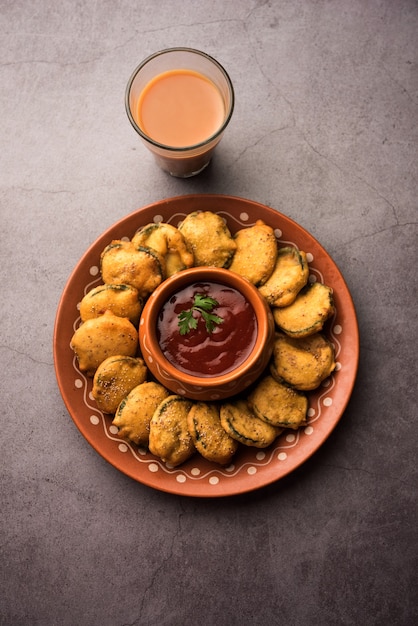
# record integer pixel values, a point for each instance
(261, 458)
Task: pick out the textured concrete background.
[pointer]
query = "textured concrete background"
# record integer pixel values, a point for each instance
(325, 130)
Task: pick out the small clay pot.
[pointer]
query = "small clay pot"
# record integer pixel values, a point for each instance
(206, 388)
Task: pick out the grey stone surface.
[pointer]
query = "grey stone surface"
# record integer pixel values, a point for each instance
(325, 130)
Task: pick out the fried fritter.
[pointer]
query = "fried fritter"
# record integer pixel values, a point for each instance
(290, 274)
(115, 378)
(278, 404)
(244, 426)
(122, 262)
(209, 437)
(256, 253)
(308, 313)
(209, 238)
(169, 242)
(302, 363)
(100, 337)
(134, 413)
(169, 436)
(122, 300)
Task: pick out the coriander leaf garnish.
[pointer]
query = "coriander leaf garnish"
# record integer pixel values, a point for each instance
(203, 305)
(187, 322)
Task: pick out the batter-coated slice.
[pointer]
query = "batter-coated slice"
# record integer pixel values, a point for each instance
(134, 413)
(122, 300)
(122, 262)
(278, 404)
(209, 238)
(308, 312)
(302, 363)
(168, 241)
(290, 274)
(169, 436)
(115, 378)
(209, 437)
(244, 426)
(98, 338)
(256, 253)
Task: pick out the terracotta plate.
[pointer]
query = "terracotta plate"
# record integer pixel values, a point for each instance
(252, 468)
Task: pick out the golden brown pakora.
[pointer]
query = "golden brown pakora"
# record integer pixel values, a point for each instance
(169, 436)
(115, 378)
(308, 313)
(169, 242)
(290, 274)
(122, 300)
(209, 437)
(244, 426)
(278, 404)
(209, 238)
(101, 337)
(302, 363)
(134, 413)
(256, 253)
(122, 262)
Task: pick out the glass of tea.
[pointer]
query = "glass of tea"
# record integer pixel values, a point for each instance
(180, 101)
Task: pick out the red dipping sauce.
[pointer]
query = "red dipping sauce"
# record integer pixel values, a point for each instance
(203, 353)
